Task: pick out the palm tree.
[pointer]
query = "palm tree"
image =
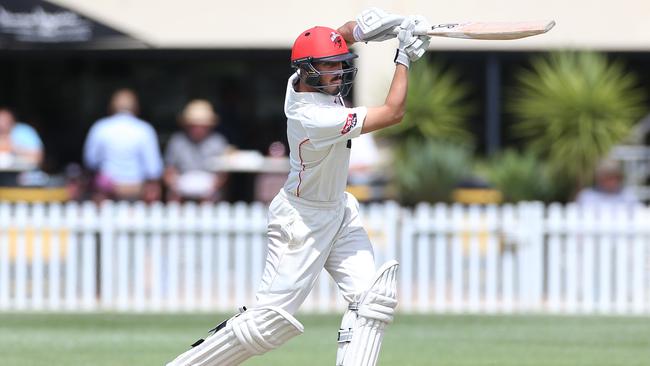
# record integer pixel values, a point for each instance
(573, 107)
(437, 106)
(432, 148)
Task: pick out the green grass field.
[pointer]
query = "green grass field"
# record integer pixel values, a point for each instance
(112, 339)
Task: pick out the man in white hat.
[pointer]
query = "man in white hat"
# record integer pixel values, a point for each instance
(187, 175)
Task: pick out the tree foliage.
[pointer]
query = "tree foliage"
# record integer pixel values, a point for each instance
(573, 107)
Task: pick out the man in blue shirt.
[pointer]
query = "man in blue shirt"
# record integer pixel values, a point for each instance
(19, 142)
(123, 150)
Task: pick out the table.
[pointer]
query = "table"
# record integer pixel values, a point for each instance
(249, 161)
(11, 191)
(10, 169)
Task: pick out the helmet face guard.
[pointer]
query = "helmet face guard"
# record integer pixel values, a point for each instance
(313, 77)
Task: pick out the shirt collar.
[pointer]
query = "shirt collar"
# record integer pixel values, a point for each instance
(310, 97)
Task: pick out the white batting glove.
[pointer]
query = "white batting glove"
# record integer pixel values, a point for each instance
(376, 25)
(406, 39)
(422, 25)
(411, 48)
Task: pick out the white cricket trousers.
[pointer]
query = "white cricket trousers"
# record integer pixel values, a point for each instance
(306, 236)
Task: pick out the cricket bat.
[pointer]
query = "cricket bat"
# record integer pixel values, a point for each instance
(488, 30)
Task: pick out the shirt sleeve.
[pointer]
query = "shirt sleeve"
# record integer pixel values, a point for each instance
(171, 151)
(153, 165)
(92, 148)
(219, 144)
(329, 125)
(26, 137)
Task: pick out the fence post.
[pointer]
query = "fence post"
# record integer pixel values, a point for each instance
(441, 229)
(641, 240)
(491, 258)
(122, 230)
(106, 250)
(21, 256)
(457, 261)
(54, 221)
(621, 245)
(155, 224)
(571, 258)
(476, 230)
(406, 260)
(531, 255)
(188, 236)
(606, 231)
(5, 217)
(508, 227)
(588, 244)
(89, 256)
(240, 224)
(139, 219)
(172, 225)
(224, 277)
(423, 222)
(206, 222)
(555, 227)
(71, 226)
(38, 260)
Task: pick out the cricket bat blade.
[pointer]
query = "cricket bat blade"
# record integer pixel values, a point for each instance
(489, 30)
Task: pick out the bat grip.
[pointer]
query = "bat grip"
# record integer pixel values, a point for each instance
(418, 31)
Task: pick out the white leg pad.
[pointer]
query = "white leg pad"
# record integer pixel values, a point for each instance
(362, 327)
(245, 335)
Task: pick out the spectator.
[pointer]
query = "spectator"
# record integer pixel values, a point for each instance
(608, 187)
(187, 171)
(19, 142)
(124, 153)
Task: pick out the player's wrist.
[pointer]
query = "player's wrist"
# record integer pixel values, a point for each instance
(357, 33)
(402, 58)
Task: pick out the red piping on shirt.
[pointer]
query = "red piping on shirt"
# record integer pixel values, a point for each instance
(303, 166)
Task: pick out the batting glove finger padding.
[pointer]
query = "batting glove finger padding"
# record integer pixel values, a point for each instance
(376, 25)
(418, 48)
(406, 40)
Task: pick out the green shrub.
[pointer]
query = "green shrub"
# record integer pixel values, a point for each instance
(572, 108)
(428, 171)
(519, 176)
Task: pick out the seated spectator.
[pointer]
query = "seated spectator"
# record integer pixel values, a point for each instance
(19, 142)
(608, 187)
(123, 151)
(187, 172)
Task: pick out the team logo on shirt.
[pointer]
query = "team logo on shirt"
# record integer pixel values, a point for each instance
(350, 122)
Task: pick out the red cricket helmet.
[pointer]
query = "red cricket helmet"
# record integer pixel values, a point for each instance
(322, 44)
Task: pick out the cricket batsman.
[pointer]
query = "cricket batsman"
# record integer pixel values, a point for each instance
(312, 222)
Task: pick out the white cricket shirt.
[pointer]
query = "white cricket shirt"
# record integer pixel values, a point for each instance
(319, 131)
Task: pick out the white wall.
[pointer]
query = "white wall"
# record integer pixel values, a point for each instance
(600, 24)
(585, 24)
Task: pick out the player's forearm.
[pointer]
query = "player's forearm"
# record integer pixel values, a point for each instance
(347, 32)
(396, 98)
(392, 112)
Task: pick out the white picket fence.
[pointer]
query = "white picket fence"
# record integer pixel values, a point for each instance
(478, 259)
